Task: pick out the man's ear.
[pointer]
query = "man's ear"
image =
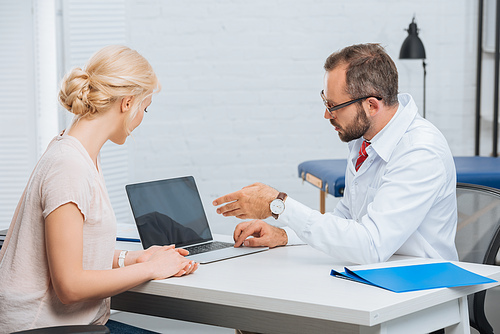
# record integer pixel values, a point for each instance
(374, 105)
(126, 103)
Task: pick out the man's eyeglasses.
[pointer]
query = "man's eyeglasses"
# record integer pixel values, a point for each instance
(331, 108)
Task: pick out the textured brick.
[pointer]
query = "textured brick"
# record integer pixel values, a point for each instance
(241, 81)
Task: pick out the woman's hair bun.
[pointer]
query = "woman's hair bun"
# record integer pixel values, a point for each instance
(74, 93)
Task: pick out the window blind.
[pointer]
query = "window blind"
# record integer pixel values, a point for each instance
(17, 104)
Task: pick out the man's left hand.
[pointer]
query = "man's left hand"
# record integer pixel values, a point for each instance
(251, 202)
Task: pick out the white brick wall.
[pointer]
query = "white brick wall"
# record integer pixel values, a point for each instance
(241, 81)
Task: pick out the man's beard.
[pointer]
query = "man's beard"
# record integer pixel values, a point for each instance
(356, 129)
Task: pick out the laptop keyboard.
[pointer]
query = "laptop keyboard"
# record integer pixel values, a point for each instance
(208, 247)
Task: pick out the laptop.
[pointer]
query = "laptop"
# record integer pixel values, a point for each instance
(171, 212)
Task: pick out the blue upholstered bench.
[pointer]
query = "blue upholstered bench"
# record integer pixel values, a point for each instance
(329, 175)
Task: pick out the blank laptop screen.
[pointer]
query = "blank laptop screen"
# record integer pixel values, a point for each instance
(169, 212)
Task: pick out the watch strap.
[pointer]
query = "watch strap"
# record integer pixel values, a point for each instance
(281, 196)
(121, 258)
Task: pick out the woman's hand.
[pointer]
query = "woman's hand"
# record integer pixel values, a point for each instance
(166, 261)
(189, 269)
(143, 256)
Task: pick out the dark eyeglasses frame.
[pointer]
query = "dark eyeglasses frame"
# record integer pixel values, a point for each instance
(342, 105)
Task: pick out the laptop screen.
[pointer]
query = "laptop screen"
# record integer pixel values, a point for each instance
(169, 212)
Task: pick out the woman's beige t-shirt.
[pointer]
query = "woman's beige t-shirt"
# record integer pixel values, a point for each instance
(65, 173)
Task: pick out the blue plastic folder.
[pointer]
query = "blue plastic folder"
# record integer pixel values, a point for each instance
(415, 277)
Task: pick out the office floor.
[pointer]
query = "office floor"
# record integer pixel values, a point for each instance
(492, 310)
(167, 326)
(181, 327)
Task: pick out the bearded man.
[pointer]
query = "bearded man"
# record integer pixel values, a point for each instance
(400, 193)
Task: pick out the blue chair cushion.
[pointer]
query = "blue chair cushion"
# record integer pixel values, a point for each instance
(483, 171)
(331, 172)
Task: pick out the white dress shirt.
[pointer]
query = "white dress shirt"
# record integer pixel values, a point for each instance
(401, 201)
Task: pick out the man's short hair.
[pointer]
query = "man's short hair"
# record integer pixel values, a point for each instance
(370, 72)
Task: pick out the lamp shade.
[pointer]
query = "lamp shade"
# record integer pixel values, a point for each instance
(412, 47)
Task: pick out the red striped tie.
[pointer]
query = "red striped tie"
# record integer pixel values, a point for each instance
(362, 154)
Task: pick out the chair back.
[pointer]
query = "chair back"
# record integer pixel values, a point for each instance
(478, 238)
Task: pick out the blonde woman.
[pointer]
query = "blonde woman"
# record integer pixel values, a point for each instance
(58, 265)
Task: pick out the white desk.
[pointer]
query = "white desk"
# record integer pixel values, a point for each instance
(289, 290)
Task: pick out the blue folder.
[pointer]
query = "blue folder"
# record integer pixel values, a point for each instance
(415, 277)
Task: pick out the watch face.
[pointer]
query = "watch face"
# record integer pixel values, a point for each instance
(277, 206)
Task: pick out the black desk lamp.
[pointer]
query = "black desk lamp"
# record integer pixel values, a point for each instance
(413, 48)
